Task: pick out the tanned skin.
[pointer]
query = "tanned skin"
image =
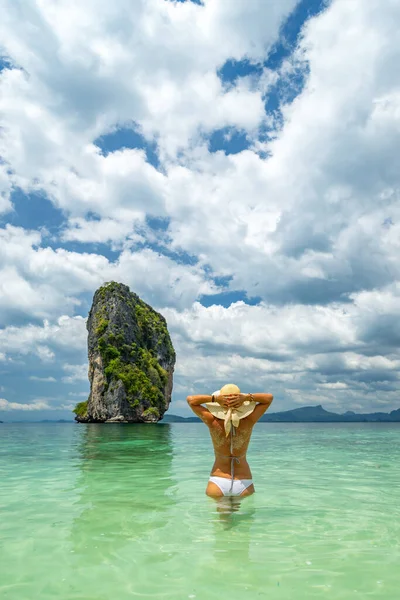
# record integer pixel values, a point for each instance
(221, 443)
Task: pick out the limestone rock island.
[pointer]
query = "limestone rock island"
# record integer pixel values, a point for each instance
(131, 360)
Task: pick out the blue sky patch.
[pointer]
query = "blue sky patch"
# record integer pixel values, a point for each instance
(88, 248)
(5, 64)
(158, 223)
(227, 298)
(220, 280)
(229, 140)
(291, 29)
(125, 137)
(288, 40)
(179, 256)
(33, 211)
(291, 85)
(233, 69)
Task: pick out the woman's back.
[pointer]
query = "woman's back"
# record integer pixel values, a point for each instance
(241, 439)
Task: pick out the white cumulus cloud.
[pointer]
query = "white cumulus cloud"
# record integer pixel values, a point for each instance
(306, 218)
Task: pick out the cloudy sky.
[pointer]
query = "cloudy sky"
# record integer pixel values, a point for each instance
(235, 162)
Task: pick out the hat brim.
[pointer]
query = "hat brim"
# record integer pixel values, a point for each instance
(220, 411)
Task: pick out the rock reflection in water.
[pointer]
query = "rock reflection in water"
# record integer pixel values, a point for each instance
(125, 477)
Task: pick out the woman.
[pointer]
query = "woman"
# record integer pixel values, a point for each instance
(230, 417)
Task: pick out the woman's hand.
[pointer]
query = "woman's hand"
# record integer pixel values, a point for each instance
(222, 400)
(236, 400)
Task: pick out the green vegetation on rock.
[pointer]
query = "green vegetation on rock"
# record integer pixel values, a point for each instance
(151, 411)
(136, 364)
(101, 327)
(81, 409)
(151, 325)
(108, 351)
(136, 382)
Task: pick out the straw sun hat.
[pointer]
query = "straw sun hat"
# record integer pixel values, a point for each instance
(231, 416)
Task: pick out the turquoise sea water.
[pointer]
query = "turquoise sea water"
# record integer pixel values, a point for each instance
(110, 512)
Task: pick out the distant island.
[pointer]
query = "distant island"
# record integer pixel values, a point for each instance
(43, 421)
(57, 421)
(309, 414)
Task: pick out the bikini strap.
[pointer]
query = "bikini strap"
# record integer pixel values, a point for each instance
(233, 458)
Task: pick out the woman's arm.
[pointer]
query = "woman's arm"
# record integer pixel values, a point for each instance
(197, 400)
(263, 404)
(263, 398)
(195, 403)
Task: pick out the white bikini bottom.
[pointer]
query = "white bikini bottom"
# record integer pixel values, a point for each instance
(224, 484)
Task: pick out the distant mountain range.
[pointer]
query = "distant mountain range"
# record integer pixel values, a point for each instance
(305, 414)
(309, 414)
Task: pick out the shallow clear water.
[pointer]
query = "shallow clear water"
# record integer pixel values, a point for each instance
(108, 512)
